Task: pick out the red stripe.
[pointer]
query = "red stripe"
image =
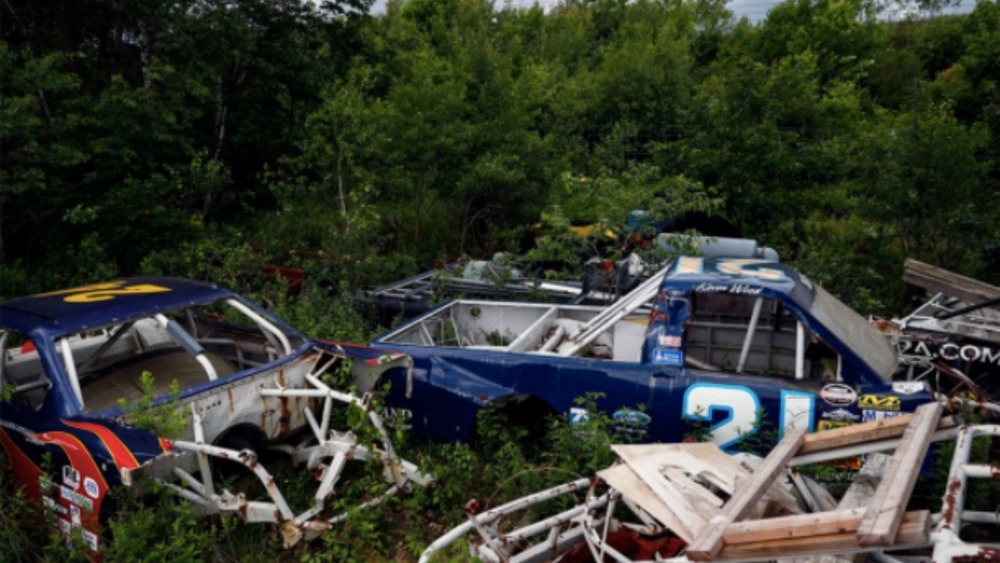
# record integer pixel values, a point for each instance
(81, 460)
(122, 455)
(79, 456)
(24, 468)
(166, 445)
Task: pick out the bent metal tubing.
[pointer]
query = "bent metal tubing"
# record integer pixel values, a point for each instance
(490, 516)
(948, 546)
(326, 459)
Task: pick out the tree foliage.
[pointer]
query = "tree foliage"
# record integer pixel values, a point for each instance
(204, 138)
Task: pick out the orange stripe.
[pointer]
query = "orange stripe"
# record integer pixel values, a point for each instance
(122, 455)
(79, 456)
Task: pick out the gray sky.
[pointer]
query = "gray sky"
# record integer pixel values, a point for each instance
(754, 10)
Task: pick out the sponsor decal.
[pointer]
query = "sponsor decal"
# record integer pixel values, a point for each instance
(90, 538)
(64, 526)
(74, 515)
(950, 351)
(90, 487)
(908, 387)
(401, 418)
(578, 416)
(635, 418)
(831, 424)
(669, 341)
(879, 402)
(668, 357)
(76, 498)
(734, 289)
(51, 506)
(838, 395)
(71, 477)
(871, 416)
(841, 415)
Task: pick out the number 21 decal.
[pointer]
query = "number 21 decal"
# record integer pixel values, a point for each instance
(741, 405)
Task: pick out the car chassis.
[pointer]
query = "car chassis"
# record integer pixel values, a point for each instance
(72, 362)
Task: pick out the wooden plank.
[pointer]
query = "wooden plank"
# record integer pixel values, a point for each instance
(797, 526)
(939, 280)
(882, 519)
(681, 503)
(865, 432)
(857, 496)
(680, 478)
(913, 532)
(709, 543)
(625, 481)
(695, 458)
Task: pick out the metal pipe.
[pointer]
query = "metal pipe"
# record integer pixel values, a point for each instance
(74, 379)
(271, 329)
(800, 351)
(751, 329)
(490, 515)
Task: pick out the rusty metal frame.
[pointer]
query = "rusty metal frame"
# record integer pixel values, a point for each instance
(948, 546)
(481, 522)
(325, 455)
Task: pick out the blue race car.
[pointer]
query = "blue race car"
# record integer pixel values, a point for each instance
(74, 363)
(737, 344)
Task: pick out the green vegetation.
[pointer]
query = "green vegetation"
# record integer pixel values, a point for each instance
(202, 138)
(205, 138)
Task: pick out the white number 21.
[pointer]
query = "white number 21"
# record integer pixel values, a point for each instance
(741, 405)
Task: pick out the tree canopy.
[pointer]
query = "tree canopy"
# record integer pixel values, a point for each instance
(171, 136)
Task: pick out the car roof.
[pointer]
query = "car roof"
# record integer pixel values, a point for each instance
(72, 310)
(748, 276)
(734, 273)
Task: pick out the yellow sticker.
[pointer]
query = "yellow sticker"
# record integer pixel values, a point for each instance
(879, 402)
(105, 291)
(831, 424)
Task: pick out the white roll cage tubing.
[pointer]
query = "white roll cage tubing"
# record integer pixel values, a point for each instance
(326, 459)
(274, 336)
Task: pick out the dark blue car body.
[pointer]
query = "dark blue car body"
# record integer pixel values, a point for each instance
(811, 362)
(67, 445)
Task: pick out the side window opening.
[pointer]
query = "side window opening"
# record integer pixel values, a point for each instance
(22, 378)
(755, 335)
(187, 347)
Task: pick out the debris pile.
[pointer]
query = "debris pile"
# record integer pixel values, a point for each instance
(694, 502)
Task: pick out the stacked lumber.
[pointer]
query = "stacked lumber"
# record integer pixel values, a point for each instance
(684, 486)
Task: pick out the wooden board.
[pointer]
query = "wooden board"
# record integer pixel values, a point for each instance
(668, 473)
(709, 543)
(939, 280)
(913, 532)
(884, 514)
(624, 480)
(864, 432)
(797, 526)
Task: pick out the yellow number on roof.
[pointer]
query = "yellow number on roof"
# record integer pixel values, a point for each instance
(105, 291)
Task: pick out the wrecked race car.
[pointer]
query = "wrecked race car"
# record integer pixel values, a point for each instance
(74, 363)
(741, 346)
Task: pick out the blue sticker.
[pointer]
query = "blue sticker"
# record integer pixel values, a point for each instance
(628, 416)
(91, 488)
(578, 416)
(668, 356)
